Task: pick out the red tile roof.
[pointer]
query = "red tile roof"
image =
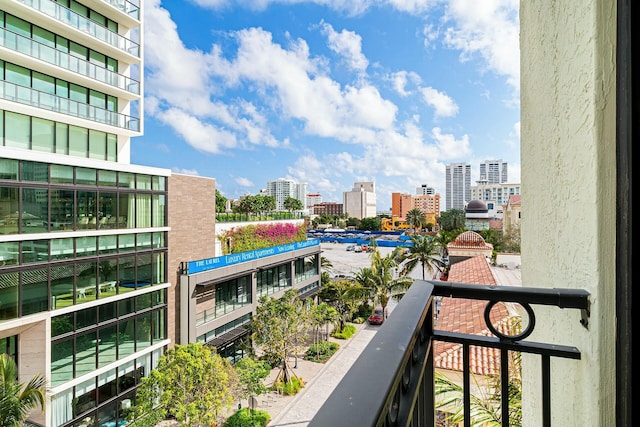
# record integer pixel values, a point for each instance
(467, 316)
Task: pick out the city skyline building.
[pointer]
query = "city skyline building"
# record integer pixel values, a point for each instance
(282, 188)
(425, 190)
(494, 171)
(457, 185)
(360, 202)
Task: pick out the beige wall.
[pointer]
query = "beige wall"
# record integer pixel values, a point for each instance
(568, 146)
(192, 203)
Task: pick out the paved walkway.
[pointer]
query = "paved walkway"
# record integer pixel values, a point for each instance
(300, 409)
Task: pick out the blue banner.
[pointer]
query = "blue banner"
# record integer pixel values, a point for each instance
(231, 259)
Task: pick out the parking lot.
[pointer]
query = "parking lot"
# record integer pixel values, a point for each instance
(347, 262)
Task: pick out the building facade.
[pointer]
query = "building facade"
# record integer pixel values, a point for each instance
(425, 190)
(282, 188)
(328, 208)
(83, 233)
(219, 294)
(360, 202)
(457, 185)
(494, 171)
(495, 196)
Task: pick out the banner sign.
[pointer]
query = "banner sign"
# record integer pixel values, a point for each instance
(231, 259)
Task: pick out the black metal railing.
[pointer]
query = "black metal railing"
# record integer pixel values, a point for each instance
(392, 383)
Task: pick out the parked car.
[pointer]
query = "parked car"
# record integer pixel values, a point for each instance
(377, 317)
(357, 249)
(351, 247)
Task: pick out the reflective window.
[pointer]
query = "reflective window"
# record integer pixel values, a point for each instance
(8, 296)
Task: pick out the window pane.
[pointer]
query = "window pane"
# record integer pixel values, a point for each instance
(158, 210)
(35, 208)
(35, 171)
(86, 176)
(9, 214)
(62, 138)
(62, 210)
(43, 83)
(8, 170)
(112, 148)
(43, 133)
(86, 246)
(34, 291)
(9, 253)
(18, 25)
(62, 282)
(78, 141)
(143, 182)
(35, 251)
(17, 74)
(62, 174)
(97, 145)
(17, 130)
(85, 353)
(108, 245)
(8, 296)
(61, 249)
(61, 362)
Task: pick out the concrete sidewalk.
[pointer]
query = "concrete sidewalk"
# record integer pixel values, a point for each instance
(300, 409)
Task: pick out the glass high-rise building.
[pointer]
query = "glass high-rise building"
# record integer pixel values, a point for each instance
(83, 233)
(457, 185)
(494, 171)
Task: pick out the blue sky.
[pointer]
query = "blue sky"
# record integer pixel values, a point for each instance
(330, 92)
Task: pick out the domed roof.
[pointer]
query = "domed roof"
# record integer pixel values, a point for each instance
(476, 206)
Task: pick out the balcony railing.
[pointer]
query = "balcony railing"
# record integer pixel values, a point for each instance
(79, 22)
(126, 6)
(49, 54)
(26, 95)
(392, 382)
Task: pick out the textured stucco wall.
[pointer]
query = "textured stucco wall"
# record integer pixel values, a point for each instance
(568, 168)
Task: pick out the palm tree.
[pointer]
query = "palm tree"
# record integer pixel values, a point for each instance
(485, 399)
(378, 283)
(325, 269)
(426, 251)
(415, 218)
(17, 399)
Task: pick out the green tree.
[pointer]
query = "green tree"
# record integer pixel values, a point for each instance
(372, 224)
(379, 283)
(17, 399)
(280, 328)
(292, 204)
(325, 270)
(221, 202)
(335, 294)
(251, 375)
(192, 383)
(415, 218)
(323, 315)
(426, 252)
(453, 219)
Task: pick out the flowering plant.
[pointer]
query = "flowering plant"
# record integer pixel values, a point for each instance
(251, 237)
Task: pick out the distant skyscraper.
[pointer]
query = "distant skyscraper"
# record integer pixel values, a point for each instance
(458, 185)
(494, 171)
(313, 199)
(425, 190)
(360, 202)
(282, 188)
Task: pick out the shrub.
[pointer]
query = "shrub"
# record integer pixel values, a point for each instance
(321, 352)
(246, 417)
(346, 332)
(290, 388)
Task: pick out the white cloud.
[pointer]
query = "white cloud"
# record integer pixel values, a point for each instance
(348, 44)
(185, 171)
(400, 80)
(243, 182)
(443, 105)
(488, 28)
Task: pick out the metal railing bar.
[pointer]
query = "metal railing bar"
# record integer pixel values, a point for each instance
(521, 346)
